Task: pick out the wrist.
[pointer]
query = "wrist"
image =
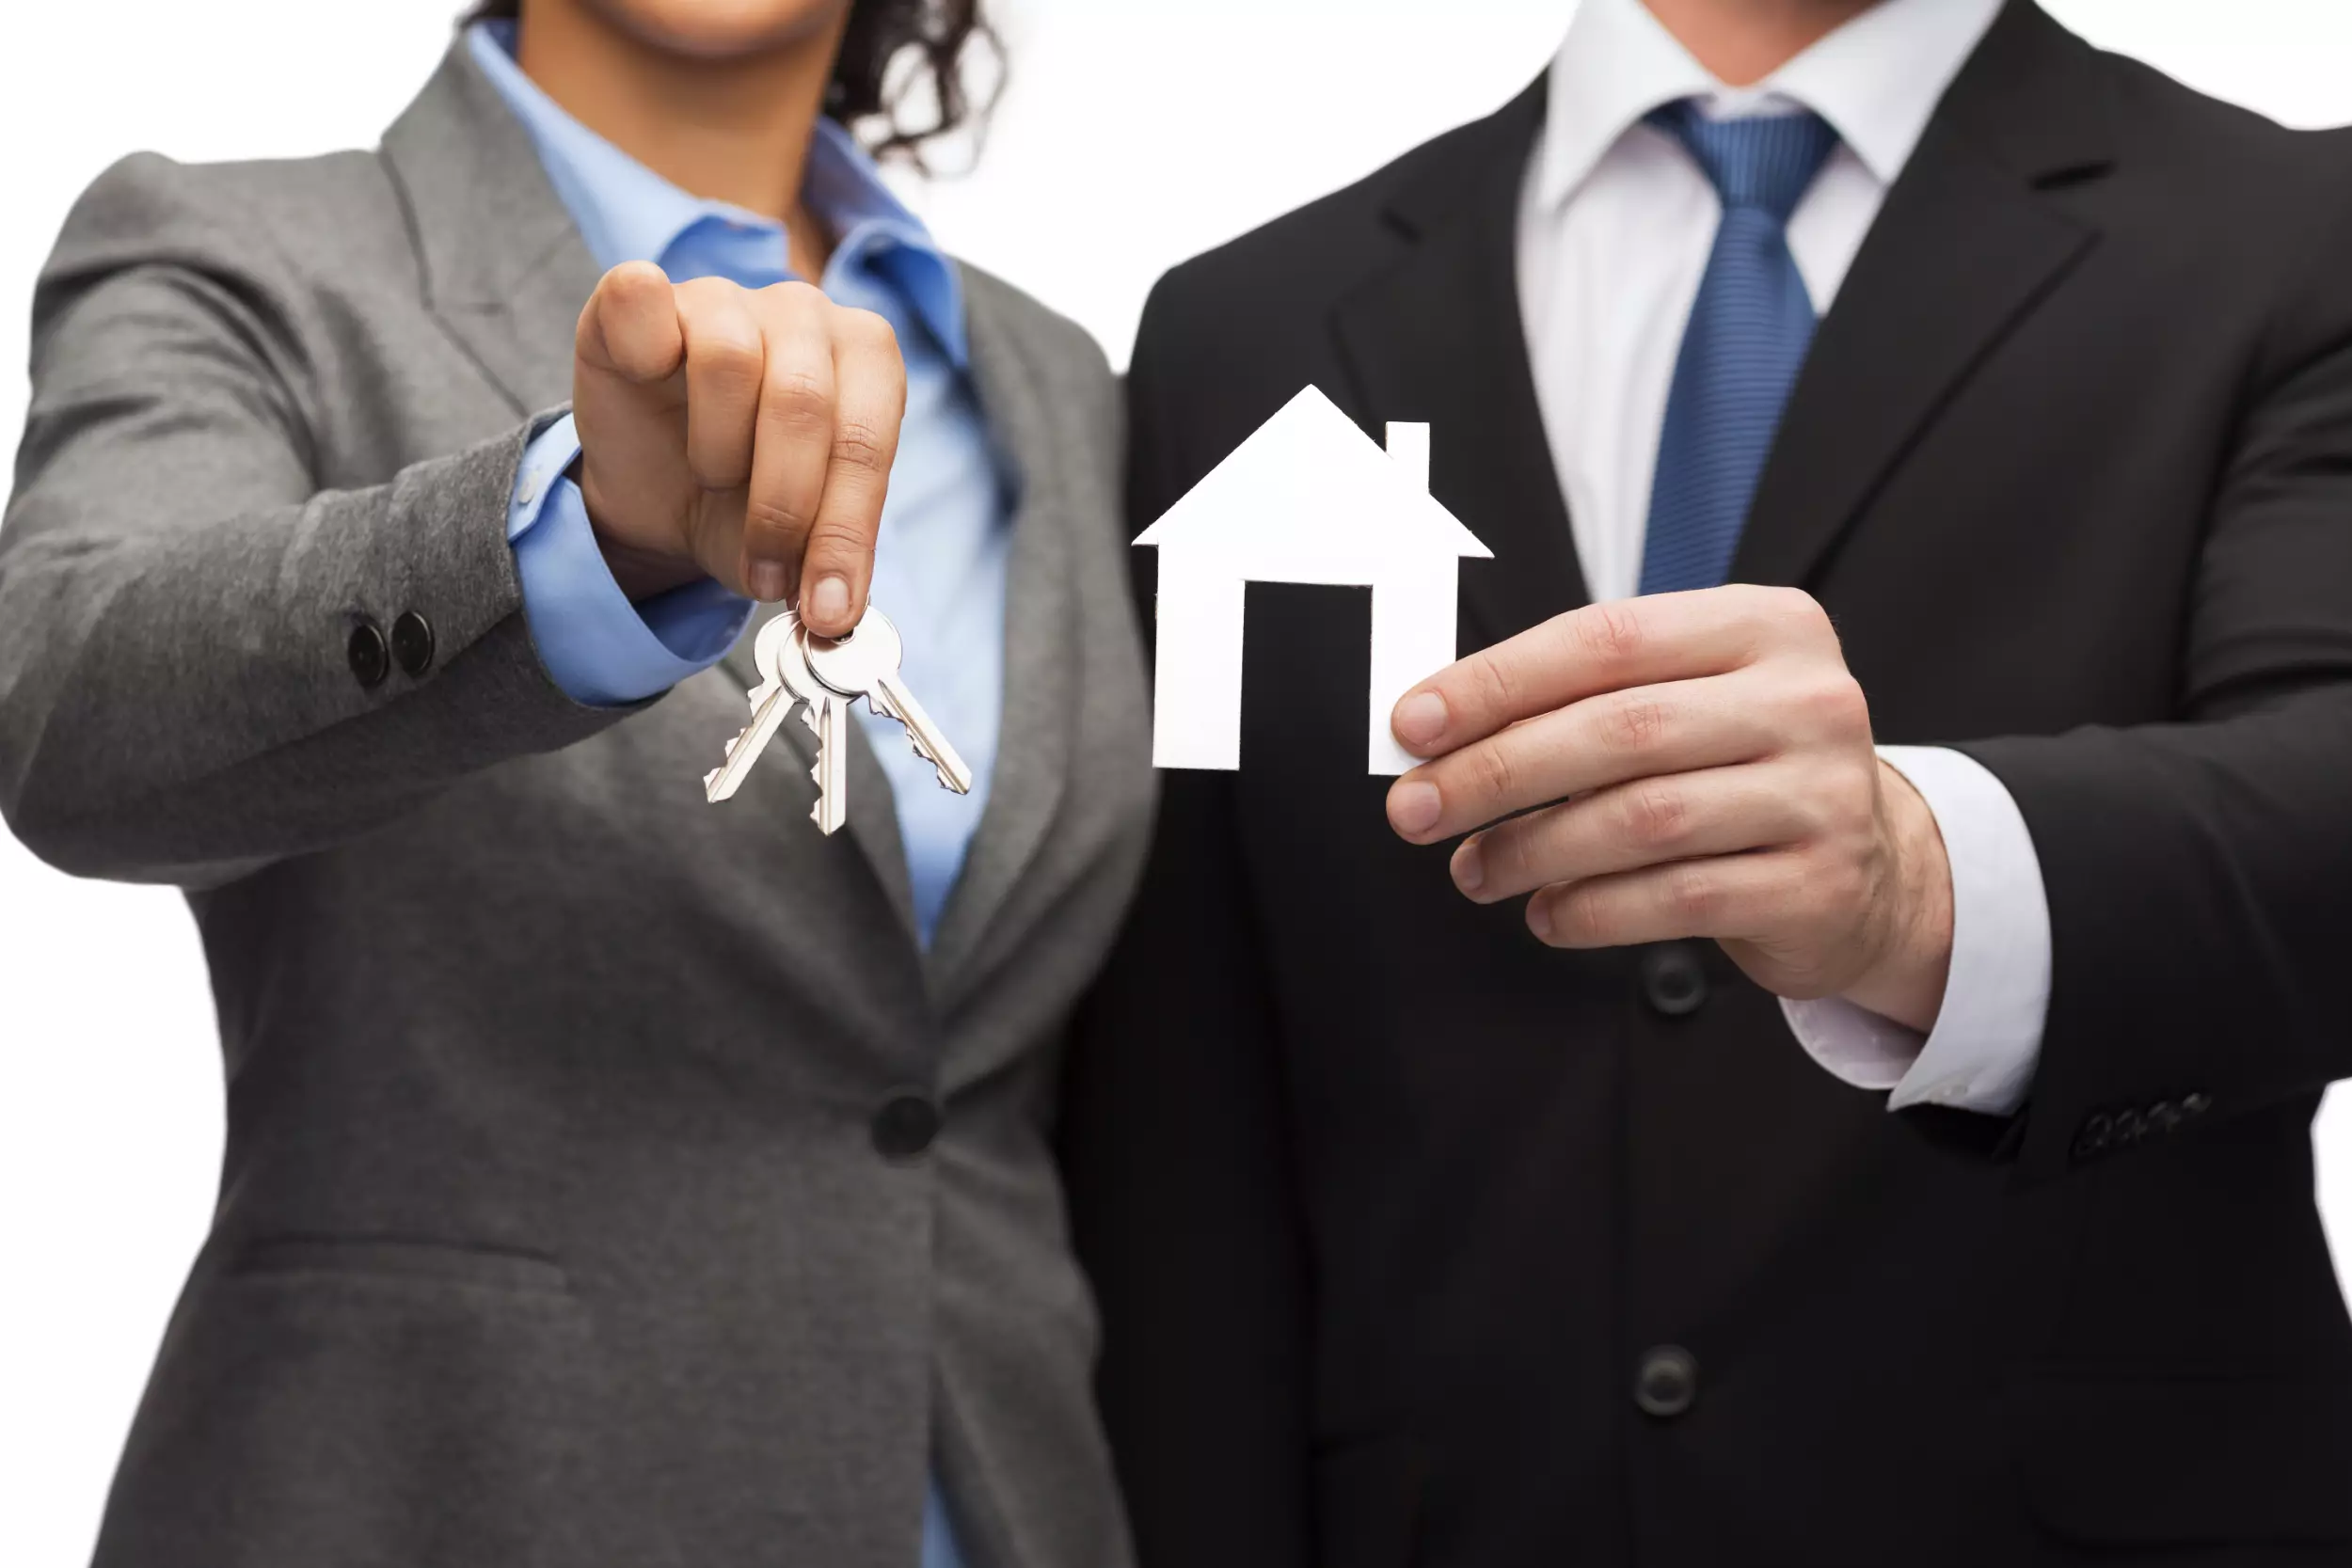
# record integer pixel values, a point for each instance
(642, 572)
(1906, 983)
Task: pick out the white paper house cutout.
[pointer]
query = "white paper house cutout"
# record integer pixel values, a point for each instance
(1308, 497)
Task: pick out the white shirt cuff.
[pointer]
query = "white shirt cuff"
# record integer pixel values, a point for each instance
(1987, 1040)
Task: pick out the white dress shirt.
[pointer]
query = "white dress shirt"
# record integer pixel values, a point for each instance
(1615, 224)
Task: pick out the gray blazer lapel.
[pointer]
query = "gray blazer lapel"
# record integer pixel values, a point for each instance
(505, 269)
(1034, 745)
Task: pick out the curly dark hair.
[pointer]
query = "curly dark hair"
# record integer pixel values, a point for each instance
(939, 33)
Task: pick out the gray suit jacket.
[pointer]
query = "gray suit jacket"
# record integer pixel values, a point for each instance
(572, 1210)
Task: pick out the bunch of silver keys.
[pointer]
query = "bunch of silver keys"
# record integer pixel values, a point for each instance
(828, 675)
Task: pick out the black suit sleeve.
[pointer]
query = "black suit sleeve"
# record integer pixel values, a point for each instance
(1176, 1146)
(2199, 873)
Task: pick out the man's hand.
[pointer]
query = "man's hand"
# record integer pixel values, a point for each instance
(744, 435)
(1688, 765)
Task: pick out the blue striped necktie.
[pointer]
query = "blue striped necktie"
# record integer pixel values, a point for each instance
(1747, 336)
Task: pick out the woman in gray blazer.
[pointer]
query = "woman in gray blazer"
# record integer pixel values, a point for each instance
(613, 1178)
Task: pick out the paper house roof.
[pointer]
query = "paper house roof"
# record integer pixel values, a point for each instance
(1309, 497)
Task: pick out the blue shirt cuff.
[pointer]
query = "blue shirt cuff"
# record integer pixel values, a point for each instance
(598, 646)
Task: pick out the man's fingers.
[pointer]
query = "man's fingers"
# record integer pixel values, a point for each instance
(1602, 647)
(725, 364)
(1609, 739)
(629, 326)
(871, 401)
(792, 434)
(1716, 811)
(1725, 896)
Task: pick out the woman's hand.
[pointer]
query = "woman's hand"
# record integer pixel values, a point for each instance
(741, 433)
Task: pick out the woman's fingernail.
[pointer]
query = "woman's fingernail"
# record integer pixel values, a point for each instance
(1420, 718)
(1469, 867)
(830, 599)
(768, 580)
(1539, 916)
(1413, 807)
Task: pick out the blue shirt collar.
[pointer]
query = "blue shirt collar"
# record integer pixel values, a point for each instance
(627, 212)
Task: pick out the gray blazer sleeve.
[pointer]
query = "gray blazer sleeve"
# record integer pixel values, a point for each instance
(177, 592)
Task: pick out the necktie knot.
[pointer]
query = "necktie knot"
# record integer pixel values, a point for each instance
(1764, 162)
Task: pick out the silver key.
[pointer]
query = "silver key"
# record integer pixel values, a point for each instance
(770, 701)
(865, 664)
(828, 715)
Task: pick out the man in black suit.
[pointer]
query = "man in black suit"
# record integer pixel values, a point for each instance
(1917, 678)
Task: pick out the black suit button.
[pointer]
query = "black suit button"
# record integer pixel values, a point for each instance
(1667, 1383)
(2129, 1127)
(2163, 1116)
(2196, 1104)
(371, 661)
(905, 1126)
(412, 643)
(2098, 1129)
(1673, 979)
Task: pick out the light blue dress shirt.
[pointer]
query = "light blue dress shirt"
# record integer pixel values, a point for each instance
(940, 563)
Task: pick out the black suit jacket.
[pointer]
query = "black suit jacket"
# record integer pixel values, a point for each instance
(1390, 1208)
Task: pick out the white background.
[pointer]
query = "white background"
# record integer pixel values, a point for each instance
(1133, 133)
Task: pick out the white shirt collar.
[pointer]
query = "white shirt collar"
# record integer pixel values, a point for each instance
(1876, 80)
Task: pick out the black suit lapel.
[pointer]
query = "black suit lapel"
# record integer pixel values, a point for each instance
(1966, 246)
(1437, 336)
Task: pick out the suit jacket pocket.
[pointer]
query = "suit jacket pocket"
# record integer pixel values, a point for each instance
(365, 1403)
(1368, 1502)
(2178, 1458)
(396, 1260)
